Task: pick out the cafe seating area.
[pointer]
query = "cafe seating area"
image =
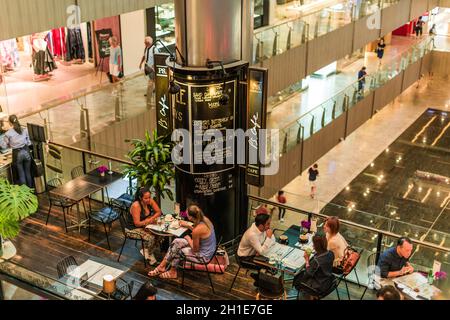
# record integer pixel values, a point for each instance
(41, 247)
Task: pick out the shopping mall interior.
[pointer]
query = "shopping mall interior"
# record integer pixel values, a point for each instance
(355, 99)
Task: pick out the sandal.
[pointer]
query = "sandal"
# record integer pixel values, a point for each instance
(167, 275)
(156, 272)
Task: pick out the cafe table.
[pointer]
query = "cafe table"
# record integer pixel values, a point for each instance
(102, 182)
(77, 190)
(415, 286)
(88, 277)
(165, 229)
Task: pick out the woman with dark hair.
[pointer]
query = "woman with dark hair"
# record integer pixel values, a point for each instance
(144, 211)
(317, 277)
(18, 140)
(200, 247)
(336, 242)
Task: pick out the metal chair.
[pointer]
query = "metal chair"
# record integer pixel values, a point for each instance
(77, 172)
(124, 292)
(63, 203)
(191, 260)
(64, 265)
(106, 216)
(123, 219)
(320, 295)
(234, 247)
(344, 275)
(371, 273)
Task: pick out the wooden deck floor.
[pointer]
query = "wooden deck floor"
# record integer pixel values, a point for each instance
(40, 247)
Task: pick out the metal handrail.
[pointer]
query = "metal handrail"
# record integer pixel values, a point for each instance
(95, 154)
(350, 223)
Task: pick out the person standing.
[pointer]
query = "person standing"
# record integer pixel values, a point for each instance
(313, 174)
(18, 140)
(281, 211)
(419, 27)
(115, 59)
(362, 74)
(149, 67)
(380, 50)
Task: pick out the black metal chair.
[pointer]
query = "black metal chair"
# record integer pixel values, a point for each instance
(124, 292)
(234, 247)
(343, 275)
(77, 172)
(105, 216)
(64, 265)
(371, 269)
(55, 201)
(124, 222)
(191, 261)
(319, 295)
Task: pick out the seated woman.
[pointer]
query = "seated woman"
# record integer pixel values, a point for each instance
(336, 242)
(200, 247)
(317, 278)
(144, 211)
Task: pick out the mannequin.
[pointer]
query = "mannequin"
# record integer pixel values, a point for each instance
(43, 61)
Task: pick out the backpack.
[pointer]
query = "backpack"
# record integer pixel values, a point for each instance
(349, 261)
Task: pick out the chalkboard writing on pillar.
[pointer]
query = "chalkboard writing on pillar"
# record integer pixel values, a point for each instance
(103, 37)
(256, 119)
(163, 106)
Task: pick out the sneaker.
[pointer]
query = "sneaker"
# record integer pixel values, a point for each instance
(146, 255)
(282, 220)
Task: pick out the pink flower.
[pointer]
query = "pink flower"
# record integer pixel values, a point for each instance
(306, 224)
(440, 275)
(102, 169)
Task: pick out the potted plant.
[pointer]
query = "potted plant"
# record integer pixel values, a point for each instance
(16, 204)
(102, 170)
(152, 164)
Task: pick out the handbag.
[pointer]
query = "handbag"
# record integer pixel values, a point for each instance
(148, 70)
(349, 261)
(272, 282)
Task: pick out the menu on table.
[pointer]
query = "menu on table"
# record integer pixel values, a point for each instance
(416, 286)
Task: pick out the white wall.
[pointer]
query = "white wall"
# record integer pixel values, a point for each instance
(133, 34)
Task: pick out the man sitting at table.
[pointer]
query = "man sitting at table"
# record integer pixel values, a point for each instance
(144, 211)
(255, 241)
(394, 262)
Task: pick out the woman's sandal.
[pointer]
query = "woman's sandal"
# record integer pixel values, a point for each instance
(167, 275)
(155, 272)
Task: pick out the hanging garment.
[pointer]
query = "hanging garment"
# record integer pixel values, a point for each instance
(43, 62)
(75, 48)
(89, 34)
(9, 54)
(59, 42)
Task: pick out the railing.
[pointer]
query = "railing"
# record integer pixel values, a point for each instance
(319, 117)
(61, 160)
(74, 120)
(293, 32)
(367, 234)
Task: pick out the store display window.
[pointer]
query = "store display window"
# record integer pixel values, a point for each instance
(165, 23)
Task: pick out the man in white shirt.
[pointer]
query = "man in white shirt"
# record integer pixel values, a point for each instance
(149, 68)
(255, 242)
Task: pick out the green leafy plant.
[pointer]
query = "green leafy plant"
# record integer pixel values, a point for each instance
(16, 204)
(152, 164)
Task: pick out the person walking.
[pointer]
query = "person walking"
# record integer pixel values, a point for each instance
(281, 198)
(115, 61)
(313, 174)
(362, 74)
(380, 50)
(149, 67)
(418, 28)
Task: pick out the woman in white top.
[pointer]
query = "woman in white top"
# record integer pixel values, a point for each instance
(336, 242)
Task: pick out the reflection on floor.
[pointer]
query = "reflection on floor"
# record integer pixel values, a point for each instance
(407, 187)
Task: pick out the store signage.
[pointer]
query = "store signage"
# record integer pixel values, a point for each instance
(256, 120)
(163, 110)
(103, 36)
